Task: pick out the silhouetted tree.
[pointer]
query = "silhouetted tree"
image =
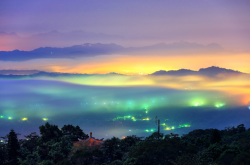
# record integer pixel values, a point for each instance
(128, 142)
(160, 152)
(113, 148)
(3, 153)
(154, 137)
(49, 132)
(73, 132)
(81, 157)
(216, 136)
(55, 150)
(29, 145)
(242, 158)
(53, 145)
(12, 147)
(241, 128)
(64, 162)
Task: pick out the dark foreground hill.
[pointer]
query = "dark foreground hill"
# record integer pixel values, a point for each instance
(55, 146)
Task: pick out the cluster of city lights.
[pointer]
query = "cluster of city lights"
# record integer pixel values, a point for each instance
(121, 103)
(219, 105)
(150, 130)
(23, 119)
(198, 104)
(168, 128)
(164, 125)
(129, 118)
(148, 103)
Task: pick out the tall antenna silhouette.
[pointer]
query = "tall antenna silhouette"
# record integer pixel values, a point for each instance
(157, 122)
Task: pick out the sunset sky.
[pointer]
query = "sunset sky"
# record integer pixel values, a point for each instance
(33, 24)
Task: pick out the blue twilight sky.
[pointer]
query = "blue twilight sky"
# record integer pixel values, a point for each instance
(226, 22)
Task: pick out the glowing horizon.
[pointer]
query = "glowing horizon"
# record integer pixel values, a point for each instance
(132, 65)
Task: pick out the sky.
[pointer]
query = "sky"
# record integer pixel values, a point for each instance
(225, 22)
(34, 24)
(133, 39)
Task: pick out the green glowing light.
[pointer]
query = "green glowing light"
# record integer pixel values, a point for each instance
(1, 117)
(126, 117)
(163, 124)
(197, 102)
(133, 118)
(146, 111)
(45, 119)
(147, 130)
(184, 125)
(10, 118)
(219, 105)
(152, 130)
(172, 127)
(1, 141)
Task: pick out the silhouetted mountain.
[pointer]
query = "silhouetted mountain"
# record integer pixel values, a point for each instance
(210, 71)
(18, 72)
(37, 73)
(75, 35)
(33, 73)
(88, 49)
(11, 41)
(181, 72)
(213, 71)
(114, 73)
(76, 51)
(52, 74)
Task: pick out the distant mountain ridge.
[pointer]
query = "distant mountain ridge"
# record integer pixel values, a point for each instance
(75, 34)
(18, 72)
(98, 49)
(210, 71)
(12, 41)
